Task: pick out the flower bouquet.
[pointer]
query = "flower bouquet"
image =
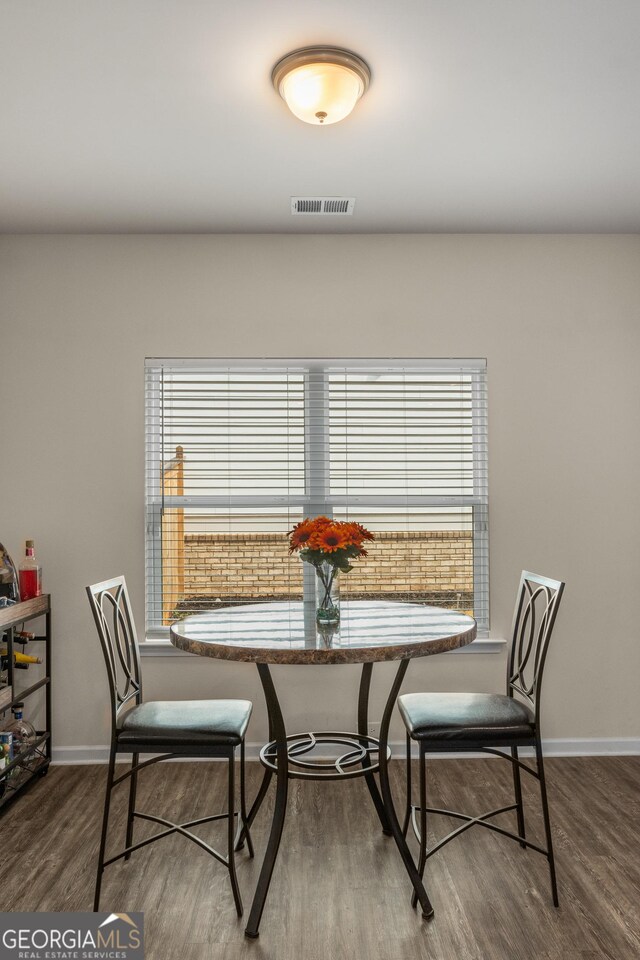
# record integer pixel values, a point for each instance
(329, 546)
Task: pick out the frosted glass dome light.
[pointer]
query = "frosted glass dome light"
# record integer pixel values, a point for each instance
(321, 85)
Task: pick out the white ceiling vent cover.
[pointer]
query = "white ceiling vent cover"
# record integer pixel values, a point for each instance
(323, 206)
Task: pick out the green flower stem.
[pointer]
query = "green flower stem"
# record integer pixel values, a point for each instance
(327, 580)
(326, 600)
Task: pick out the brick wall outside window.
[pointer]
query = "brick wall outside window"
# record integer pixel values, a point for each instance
(433, 566)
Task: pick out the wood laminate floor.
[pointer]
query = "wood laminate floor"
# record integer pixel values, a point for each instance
(339, 891)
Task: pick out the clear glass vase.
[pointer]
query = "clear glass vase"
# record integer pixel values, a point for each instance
(327, 594)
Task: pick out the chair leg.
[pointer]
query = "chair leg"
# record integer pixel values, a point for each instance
(132, 803)
(105, 825)
(243, 802)
(407, 812)
(547, 824)
(517, 789)
(423, 819)
(231, 834)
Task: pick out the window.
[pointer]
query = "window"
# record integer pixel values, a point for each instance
(239, 451)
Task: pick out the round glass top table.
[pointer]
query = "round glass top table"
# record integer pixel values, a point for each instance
(287, 633)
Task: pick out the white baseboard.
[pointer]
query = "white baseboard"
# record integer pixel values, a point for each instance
(592, 747)
(576, 747)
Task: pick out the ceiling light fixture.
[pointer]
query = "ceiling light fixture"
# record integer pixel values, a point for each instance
(321, 84)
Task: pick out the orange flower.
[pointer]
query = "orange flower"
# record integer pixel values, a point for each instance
(320, 522)
(354, 533)
(357, 533)
(301, 535)
(331, 538)
(321, 533)
(363, 532)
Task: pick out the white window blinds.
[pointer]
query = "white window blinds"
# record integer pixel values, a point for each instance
(239, 451)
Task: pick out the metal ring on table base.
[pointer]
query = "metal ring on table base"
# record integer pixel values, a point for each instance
(298, 744)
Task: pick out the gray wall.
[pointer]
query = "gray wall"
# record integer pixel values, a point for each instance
(557, 318)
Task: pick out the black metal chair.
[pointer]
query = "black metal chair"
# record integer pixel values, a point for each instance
(174, 728)
(441, 722)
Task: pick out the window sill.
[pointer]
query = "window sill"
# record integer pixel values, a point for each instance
(154, 647)
(483, 645)
(164, 648)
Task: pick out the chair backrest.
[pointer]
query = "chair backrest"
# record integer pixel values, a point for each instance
(114, 621)
(535, 615)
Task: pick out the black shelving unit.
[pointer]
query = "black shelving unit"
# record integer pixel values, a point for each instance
(34, 762)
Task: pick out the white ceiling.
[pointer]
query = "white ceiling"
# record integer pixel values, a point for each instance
(159, 116)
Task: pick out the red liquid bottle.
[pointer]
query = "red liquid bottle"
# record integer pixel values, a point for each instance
(30, 574)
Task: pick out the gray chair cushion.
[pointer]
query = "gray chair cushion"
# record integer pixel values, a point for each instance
(466, 717)
(186, 722)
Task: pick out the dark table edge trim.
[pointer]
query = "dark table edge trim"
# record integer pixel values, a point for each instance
(316, 656)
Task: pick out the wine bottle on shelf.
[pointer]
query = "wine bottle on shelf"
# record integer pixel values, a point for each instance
(30, 574)
(25, 658)
(20, 659)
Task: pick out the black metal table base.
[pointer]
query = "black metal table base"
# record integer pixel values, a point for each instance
(357, 761)
(283, 757)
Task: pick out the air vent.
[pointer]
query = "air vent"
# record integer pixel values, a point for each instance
(324, 206)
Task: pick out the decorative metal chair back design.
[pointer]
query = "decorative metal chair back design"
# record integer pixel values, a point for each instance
(534, 618)
(114, 621)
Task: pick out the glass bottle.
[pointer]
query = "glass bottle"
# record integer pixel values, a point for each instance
(23, 732)
(8, 576)
(30, 574)
(6, 756)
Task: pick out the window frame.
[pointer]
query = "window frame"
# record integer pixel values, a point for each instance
(317, 498)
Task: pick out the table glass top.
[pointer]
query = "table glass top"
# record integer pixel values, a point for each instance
(287, 632)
